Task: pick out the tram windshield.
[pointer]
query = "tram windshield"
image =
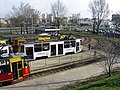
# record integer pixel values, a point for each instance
(4, 69)
(3, 51)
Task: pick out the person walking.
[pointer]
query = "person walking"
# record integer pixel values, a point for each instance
(89, 46)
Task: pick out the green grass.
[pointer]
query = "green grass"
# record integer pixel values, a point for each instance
(108, 83)
(80, 33)
(114, 39)
(68, 31)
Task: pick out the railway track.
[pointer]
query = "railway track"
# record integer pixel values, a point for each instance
(63, 67)
(86, 39)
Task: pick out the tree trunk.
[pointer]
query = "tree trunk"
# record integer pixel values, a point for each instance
(10, 29)
(21, 28)
(26, 29)
(94, 25)
(98, 28)
(58, 24)
(109, 71)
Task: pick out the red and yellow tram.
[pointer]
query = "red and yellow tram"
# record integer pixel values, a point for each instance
(14, 69)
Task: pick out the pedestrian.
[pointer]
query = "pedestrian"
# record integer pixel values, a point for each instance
(89, 46)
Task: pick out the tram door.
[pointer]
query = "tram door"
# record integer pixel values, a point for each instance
(60, 48)
(17, 70)
(53, 50)
(29, 52)
(77, 46)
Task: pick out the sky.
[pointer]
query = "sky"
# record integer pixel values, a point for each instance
(44, 6)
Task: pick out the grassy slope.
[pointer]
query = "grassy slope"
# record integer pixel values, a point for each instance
(110, 83)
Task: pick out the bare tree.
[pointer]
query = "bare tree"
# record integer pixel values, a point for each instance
(22, 16)
(75, 18)
(111, 51)
(59, 11)
(100, 11)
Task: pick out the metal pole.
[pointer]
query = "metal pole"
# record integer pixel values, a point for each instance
(32, 24)
(59, 60)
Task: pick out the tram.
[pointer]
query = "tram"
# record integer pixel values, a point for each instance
(50, 48)
(14, 68)
(15, 42)
(5, 49)
(44, 37)
(3, 41)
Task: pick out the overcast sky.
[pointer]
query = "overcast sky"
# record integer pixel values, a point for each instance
(44, 6)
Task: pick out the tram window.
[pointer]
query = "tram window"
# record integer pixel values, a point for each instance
(1, 71)
(4, 69)
(0, 51)
(10, 49)
(77, 44)
(73, 43)
(4, 62)
(4, 51)
(20, 73)
(45, 46)
(37, 47)
(22, 48)
(66, 44)
(19, 64)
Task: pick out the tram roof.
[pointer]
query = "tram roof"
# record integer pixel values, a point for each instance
(36, 42)
(2, 59)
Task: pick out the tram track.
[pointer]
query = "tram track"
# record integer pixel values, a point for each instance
(63, 67)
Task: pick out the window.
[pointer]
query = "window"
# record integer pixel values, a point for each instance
(4, 69)
(66, 44)
(10, 50)
(0, 51)
(37, 47)
(73, 43)
(19, 64)
(45, 46)
(77, 44)
(4, 51)
(22, 48)
(4, 62)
